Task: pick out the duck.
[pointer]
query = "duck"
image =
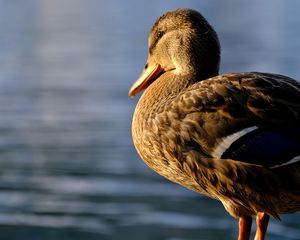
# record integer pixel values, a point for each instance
(233, 137)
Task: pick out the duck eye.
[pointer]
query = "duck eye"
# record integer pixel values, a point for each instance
(159, 34)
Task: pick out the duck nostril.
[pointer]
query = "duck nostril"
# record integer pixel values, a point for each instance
(146, 66)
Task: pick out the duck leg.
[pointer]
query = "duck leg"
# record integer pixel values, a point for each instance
(245, 228)
(262, 221)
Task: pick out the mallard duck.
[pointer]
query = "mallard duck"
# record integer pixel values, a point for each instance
(233, 137)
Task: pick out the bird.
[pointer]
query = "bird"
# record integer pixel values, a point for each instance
(233, 137)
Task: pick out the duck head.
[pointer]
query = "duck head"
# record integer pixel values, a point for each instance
(183, 42)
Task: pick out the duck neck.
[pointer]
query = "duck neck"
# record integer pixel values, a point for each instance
(158, 96)
(166, 87)
(155, 99)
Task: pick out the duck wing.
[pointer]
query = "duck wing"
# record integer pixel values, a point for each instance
(273, 106)
(247, 117)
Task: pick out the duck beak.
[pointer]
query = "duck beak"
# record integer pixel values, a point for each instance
(151, 71)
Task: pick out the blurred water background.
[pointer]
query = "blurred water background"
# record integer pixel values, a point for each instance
(68, 168)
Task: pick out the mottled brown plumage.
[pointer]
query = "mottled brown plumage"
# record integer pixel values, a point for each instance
(188, 112)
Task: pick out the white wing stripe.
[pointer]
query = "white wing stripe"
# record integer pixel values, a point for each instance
(226, 142)
(293, 160)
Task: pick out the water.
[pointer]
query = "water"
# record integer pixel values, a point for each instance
(68, 166)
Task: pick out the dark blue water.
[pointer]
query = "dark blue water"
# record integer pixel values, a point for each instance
(68, 168)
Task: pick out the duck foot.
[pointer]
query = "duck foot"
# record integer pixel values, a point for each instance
(262, 221)
(244, 228)
(245, 223)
